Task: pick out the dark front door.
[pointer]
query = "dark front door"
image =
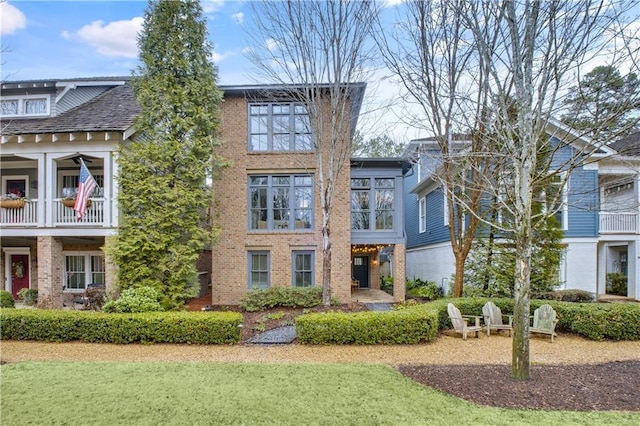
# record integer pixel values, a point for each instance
(19, 273)
(360, 270)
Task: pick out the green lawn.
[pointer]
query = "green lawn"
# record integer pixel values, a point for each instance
(112, 393)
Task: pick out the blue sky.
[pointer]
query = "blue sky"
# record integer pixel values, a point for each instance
(71, 39)
(68, 39)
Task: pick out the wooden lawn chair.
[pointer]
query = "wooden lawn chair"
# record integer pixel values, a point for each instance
(544, 321)
(460, 322)
(493, 318)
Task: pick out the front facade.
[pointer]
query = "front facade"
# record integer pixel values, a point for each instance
(47, 127)
(599, 214)
(267, 204)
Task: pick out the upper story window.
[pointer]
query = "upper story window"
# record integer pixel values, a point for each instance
(422, 214)
(278, 127)
(69, 184)
(18, 106)
(372, 203)
(281, 202)
(556, 199)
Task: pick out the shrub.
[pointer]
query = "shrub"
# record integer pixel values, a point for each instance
(98, 327)
(386, 284)
(6, 299)
(566, 296)
(138, 299)
(28, 295)
(95, 297)
(292, 297)
(406, 326)
(616, 283)
(424, 289)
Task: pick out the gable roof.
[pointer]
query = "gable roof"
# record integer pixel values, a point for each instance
(628, 146)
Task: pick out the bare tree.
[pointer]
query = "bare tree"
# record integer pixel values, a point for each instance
(435, 58)
(499, 70)
(319, 50)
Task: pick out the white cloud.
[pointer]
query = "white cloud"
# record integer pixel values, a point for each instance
(212, 6)
(238, 17)
(271, 44)
(117, 39)
(12, 19)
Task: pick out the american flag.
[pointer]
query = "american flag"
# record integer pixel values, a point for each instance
(86, 185)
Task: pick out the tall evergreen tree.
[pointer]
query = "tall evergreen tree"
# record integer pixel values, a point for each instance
(164, 196)
(604, 104)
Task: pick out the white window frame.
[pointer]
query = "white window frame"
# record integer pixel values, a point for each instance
(564, 200)
(7, 178)
(88, 272)
(445, 205)
(97, 193)
(22, 100)
(422, 214)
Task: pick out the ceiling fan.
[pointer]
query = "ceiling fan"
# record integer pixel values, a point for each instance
(77, 158)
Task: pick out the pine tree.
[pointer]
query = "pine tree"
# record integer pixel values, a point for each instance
(164, 194)
(604, 104)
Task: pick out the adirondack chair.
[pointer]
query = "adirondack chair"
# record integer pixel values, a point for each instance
(460, 322)
(493, 318)
(544, 321)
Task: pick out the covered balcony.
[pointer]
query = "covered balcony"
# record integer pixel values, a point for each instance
(39, 191)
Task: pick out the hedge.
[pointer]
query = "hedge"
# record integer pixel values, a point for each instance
(407, 326)
(420, 323)
(595, 321)
(97, 327)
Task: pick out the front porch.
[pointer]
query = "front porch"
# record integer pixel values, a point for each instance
(374, 266)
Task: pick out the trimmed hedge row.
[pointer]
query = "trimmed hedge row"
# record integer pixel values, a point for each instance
(595, 321)
(407, 326)
(95, 327)
(420, 323)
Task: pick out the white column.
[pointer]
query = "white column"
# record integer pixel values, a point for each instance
(602, 269)
(106, 190)
(50, 187)
(42, 191)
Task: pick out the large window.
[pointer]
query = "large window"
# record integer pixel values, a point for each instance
(372, 203)
(81, 269)
(24, 106)
(280, 203)
(258, 270)
(279, 127)
(69, 184)
(302, 268)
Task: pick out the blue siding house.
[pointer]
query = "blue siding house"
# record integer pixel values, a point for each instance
(599, 213)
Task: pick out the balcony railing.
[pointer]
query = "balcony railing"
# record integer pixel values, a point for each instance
(618, 223)
(27, 216)
(21, 216)
(67, 215)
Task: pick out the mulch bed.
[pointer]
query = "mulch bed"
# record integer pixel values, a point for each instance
(583, 387)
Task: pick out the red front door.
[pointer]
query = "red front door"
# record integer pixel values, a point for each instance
(19, 273)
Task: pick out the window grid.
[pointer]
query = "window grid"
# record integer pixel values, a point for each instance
(258, 270)
(303, 268)
(280, 202)
(364, 215)
(81, 269)
(279, 127)
(24, 106)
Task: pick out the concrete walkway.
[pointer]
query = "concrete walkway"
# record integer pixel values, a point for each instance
(370, 295)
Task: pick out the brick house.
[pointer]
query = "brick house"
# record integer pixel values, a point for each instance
(266, 202)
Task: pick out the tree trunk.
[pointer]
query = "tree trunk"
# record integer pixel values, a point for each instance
(520, 361)
(326, 267)
(459, 281)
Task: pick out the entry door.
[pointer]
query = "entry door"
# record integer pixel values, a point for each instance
(19, 273)
(360, 270)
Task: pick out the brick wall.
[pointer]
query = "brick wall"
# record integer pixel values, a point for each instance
(230, 253)
(50, 264)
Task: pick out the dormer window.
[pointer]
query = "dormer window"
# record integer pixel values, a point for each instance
(24, 106)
